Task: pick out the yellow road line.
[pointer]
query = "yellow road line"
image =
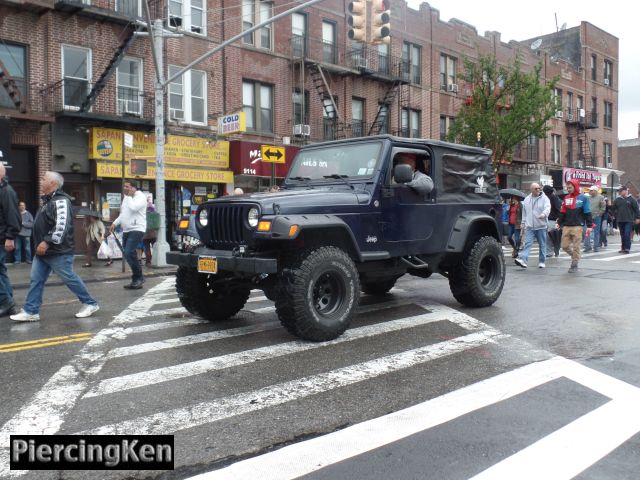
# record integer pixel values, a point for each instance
(44, 342)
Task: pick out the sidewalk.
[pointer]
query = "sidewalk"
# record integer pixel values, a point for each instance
(20, 274)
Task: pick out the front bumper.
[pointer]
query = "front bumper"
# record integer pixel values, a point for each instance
(226, 261)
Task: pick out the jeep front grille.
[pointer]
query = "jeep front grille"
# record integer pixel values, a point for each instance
(227, 223)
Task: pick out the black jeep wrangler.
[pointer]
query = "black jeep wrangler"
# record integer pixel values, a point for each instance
(347, 220)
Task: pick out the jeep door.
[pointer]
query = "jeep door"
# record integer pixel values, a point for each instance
(407, 217)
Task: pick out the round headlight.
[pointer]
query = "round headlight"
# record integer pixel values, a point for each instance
(203, 217)
(252, 217)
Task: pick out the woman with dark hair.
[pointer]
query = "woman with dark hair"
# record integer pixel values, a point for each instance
(515, 219)
(555, 235)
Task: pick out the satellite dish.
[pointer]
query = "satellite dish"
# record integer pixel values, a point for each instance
(564, 26)
(536, 44)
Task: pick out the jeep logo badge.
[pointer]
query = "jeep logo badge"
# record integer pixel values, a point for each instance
(480, 188)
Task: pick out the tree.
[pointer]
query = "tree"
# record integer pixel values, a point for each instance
(506, 106)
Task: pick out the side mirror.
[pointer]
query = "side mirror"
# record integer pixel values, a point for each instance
(402, 173)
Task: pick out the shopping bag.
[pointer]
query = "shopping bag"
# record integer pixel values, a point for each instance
(104, 252)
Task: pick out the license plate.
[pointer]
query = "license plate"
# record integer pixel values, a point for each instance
(207, 265)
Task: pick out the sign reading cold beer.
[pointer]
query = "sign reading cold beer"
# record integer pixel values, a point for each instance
(234, 123)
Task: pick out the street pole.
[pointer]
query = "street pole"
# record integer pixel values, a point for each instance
(161, 247)
(122, 187)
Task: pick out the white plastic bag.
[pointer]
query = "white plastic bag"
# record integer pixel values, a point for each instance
(104, 251)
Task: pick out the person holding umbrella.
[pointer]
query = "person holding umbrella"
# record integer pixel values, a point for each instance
(94, 230)
(515, 219)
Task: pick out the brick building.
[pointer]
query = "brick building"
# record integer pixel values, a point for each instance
(629, 163)
(298, 80)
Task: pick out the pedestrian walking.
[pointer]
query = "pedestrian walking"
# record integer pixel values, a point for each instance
(9, 230)
(151, 233)
(23, 240)
(597, 205)
(94, 229)
(535, 210)
(626, 211)
(574, 214)
(553, 234)
(515, 220)
(605, 224)
(133, 219)
(53, 236)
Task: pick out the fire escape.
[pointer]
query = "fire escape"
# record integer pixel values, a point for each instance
(12, 89)
(578, 123)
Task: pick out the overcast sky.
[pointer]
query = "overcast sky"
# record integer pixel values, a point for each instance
(519, 20)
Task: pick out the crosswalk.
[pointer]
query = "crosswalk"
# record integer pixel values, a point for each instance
(608, 254)
(171, 373)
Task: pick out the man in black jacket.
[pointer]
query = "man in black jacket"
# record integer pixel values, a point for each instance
(10, 225)
(53, 235)
(627, 213)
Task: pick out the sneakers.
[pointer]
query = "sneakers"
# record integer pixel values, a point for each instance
(574, 267)
(25, 317)
(87, 311)
(541, 265)
(521, 263)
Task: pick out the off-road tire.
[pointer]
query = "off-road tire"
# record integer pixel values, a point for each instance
(212, 302)
(478, 280)
(318, 293)
(379, 287)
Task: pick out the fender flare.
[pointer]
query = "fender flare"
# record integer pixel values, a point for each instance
(468, 222)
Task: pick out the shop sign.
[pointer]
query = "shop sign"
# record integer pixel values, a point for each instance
(179, 150)
(113, 199)
(586, 178)
(233, 123)
(247, 159)
(171, 173)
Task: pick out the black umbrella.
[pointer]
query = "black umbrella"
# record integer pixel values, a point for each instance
(512, 192)
(87, 212)
(562, 193)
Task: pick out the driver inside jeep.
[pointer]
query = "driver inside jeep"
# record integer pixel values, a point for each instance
(422, 184)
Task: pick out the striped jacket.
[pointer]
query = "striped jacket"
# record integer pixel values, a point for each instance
(54, 223)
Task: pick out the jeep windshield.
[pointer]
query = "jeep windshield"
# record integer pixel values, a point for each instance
(346, 161)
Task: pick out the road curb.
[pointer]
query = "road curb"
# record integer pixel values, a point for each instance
(107, 278)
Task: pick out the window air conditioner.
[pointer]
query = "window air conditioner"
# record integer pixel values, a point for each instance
(606, 81)
(175, 22)
(579, 164)
(609, 165)
(301, 129)
(559, 114)
(452, 87)
(175, 114)
(570, 117)
(582, 113)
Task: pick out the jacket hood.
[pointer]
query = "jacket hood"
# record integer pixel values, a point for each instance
(548, 189)
(576, 188)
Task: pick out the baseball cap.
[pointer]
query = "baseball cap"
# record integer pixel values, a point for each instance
(593, 187)
(622, 187)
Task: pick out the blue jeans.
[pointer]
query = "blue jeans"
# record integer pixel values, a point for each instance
(130, 241)
(61, 265)
(593, 240)
(625, 234)
(541, 236)
(6, 291)
(514, 235)
(22, 242)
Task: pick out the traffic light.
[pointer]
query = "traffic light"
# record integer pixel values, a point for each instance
(380, 21)
(357, 20)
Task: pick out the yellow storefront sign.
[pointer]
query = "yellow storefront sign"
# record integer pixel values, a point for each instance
(106, 169)
(180, 151)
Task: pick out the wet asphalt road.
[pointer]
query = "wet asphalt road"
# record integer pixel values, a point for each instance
(258, 389)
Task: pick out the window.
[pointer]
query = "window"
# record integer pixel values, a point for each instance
(129, 79)
(594, 68)
(447, 72)
(608, 73)
(445, 125)
(357, 117)
(300, 103)
(607, 155)
(329, 42)
(76, 68)
(131, 8)
(187, 96)
(593, 153)
(299, 33)
(557, 97)
(580, 150)
(412, 63)
(329, 118)
(570, 103)
(532, 148)
(14, 59)
(608, 114)
(569, 151)
(594, 111)
(383, 118)
(555, 148)
(257, 103)
(383, 58)
(254, 12)
(410, 123)
(188, 15)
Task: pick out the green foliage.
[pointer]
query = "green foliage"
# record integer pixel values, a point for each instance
(506, 106)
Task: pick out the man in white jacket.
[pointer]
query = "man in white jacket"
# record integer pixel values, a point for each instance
(535, 210)
(133, 219)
